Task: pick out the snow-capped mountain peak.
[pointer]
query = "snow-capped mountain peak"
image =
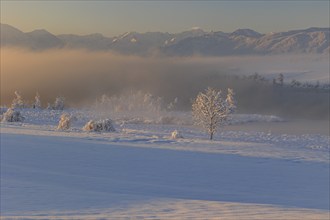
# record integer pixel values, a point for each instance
(196, 29)
(246, 33)
(133, 40)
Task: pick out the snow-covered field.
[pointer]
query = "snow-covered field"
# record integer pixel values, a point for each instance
(139, 172)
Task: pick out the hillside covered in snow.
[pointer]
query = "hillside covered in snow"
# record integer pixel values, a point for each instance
(139, 171)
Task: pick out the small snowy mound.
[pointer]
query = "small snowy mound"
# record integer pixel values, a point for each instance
(12, 115)
(176, 134)
(65, 122)
(99, 126)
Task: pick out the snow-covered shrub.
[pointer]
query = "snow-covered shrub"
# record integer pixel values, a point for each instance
(89, 126)
(99, 126)
(18, 101)
(12, 115)
(59, 103)
(176, 134)
(37, 103)
(65, 122)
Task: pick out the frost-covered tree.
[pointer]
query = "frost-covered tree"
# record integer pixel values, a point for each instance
(210, 109)
(37, 102)
(230, 101)
(172, 105)
(18, 101)
(59, 103)
(104, 100)
(12, 115)
(49, 106)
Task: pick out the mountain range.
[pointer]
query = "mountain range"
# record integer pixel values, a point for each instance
(187, 43)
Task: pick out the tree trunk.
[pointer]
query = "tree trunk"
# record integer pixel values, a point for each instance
(211, 136)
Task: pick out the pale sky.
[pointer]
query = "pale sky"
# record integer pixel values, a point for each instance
(116, 17)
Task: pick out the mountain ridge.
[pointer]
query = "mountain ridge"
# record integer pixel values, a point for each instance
(186, 43)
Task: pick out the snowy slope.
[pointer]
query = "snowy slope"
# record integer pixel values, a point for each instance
(140, 172)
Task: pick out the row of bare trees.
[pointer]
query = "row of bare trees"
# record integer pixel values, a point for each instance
(18, 102)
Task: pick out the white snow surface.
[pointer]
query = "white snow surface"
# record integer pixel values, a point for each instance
(140, 172)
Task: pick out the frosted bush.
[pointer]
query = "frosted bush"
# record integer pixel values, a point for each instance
(89, 126)
(176, 134)
(99, 126)
(12, 115)
(65, 122)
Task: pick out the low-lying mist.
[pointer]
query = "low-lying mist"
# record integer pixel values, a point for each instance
(83, 76)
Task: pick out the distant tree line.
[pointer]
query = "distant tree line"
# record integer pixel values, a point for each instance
(280, 82)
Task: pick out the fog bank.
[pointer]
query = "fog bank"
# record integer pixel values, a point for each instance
(80, 75)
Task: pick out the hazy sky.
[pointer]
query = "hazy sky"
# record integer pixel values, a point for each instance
(116, 17)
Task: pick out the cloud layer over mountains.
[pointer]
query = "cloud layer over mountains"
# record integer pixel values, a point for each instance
(187, 43)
